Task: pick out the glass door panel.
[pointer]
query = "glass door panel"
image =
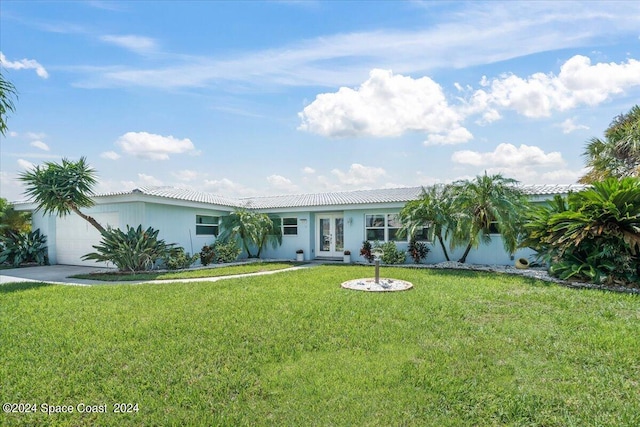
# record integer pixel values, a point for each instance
(325, 234)
(339, 236)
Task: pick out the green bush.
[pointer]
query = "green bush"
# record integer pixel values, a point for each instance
(23, 247)
(594, 235)
(226, 251)
(390, 253)
(133, 250)
(177, 259)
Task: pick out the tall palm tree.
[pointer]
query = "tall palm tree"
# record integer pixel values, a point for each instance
(432, 208)
(481, 205)
(618, 155)
(252, 229)
(62, 188)
(7, 92)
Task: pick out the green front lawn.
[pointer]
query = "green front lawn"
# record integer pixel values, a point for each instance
(461, 348)
(230, 270)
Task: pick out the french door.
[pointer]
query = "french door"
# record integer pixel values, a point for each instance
(330, 235)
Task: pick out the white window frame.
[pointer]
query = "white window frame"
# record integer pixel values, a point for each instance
(215, 226)
(289, 226)
(386, 218)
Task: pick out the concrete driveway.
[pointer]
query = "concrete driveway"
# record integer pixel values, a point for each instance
(49, 274)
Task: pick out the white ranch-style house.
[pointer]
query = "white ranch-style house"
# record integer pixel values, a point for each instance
(323, 225)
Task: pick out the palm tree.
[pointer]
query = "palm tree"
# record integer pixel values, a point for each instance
(484, 204)
(253, 229)
(433, 208)
(618, 155)
(62, 188)
(7, 91)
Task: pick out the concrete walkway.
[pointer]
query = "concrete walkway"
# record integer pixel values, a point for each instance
(60, 274)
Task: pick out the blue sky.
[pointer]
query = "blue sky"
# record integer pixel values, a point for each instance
(275, 97)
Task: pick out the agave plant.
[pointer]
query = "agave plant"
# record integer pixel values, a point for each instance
(21, 247)
(133, 250)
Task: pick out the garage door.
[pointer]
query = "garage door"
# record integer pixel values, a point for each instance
(75, 237)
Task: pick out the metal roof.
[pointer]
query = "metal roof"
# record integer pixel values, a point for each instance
(356, 197)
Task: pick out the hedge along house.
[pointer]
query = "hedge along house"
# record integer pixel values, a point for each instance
(323, 225)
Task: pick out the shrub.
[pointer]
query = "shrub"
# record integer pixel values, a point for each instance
(177, 258)
(133, 250)
(23, 247)
(390, 253)
(594, 236)
(365, 251)
(207, 255)
(418, 251)
(226, 251)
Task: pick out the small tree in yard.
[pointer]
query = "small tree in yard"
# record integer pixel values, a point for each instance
(482, 203)
(252, 229)
(62, 188)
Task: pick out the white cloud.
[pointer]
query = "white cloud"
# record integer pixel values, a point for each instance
(279, 182)
(110, 155)
(527, 164)
(24, 64)
(25, 164)
(457, 135)
(13, 134)
(359, 175)
(153, 147)
(578, 83)
(562, 176)
(138, 44)
(476, 33)
(144, 180)
(36, 135)
(148, 180)
(386, 105)
(226, 187)
(309, 170)
(508, 155)
(186, 175)
(569, 126)
(40, 145)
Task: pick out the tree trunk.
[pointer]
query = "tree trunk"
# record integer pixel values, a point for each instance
(444, 249)
(89, 219)
(464, 256)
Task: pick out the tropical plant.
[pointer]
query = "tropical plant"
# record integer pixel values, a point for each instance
(207, 255)
(618, 155)
(252, 229)
(177, 258)
(390, 253)
(7, 92)
(483, 206)
(417, 250)
(12, 220)
(226, 251)
(23, 247)
(432, 209)
(62, 188)
(597, 236)
(133, 250)
(366, 251)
